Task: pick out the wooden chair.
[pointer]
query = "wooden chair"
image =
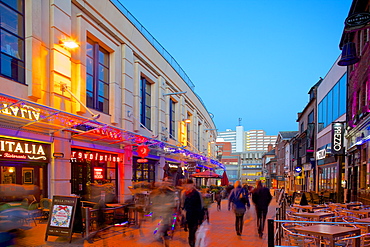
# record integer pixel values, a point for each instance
(350, 241)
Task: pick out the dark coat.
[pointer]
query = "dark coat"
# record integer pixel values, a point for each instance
(193, 207)
(261, 197)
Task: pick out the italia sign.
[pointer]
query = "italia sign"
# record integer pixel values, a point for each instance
(23, 150)
(337, 139)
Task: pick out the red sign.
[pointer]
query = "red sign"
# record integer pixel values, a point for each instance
(98, 173)
(143, 151)
(142, 160)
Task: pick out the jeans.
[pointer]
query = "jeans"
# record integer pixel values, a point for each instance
(239, 222)
(261, 218)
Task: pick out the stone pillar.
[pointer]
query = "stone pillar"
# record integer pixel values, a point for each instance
(60, 168)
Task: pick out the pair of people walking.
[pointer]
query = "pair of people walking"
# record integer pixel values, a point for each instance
(239, 200)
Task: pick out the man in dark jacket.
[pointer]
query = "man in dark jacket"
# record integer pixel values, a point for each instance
(192, 204)
(261, 197)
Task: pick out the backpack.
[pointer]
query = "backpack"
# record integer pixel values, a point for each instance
(242, 197)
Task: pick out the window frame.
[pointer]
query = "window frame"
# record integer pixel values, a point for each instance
(99, 84)
(145, 103)
(17, 63)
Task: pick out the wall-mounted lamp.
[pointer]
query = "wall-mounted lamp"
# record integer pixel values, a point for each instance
(166, 94)
(69, 43)
(210, 129)
(187, 120)
(58, 155)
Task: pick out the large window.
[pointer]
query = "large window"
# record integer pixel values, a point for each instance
(145, 103)
(97, 77)
(172, 118)
(331, 106)
(12, 40)
(143, 171)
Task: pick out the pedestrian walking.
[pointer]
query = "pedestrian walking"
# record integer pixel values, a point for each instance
(193, 206)
(207, 200)
(261, 197)
(218, 200)
(238, 198)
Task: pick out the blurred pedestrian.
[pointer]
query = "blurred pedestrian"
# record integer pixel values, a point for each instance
(163, 199)
(218, 200)
(193, 206)
(261, 197)
(207, 200)
(239, 198)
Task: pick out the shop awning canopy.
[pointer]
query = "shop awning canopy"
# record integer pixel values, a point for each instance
(21, 114)
(205, 174)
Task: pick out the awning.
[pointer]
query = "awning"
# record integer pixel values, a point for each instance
(21, 114)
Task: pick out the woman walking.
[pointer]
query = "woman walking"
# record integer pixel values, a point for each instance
(239, 198)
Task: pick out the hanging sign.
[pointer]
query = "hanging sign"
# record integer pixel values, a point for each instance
(337, 134)
(357, 19)
(62, 216)
(143, 151)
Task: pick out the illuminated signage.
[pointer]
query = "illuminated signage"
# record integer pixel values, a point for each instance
(357, 19)
(142, 160)
(23, 150)
(321, 154)
(98, 173)
(23, 111)
(143, 151)
(298, 169)
(84, 155)
(337, 138)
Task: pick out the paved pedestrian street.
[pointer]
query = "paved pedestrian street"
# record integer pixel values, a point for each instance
(219, 232)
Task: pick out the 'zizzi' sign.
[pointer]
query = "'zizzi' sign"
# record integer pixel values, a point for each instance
(23, 150)
(337, 138)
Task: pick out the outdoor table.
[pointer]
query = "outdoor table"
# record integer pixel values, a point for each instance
(349, 205)
(310, 208)
(330, 232)
(113, 205)
(362, 213)
(364, 220)
(315, 215)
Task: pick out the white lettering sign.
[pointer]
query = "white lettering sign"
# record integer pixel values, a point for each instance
(337, 140)
(321, 154)
(21, 147)
(23, 111)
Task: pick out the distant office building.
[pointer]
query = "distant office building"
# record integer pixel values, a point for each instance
(235, 137)
(252, 140)
(257, 140)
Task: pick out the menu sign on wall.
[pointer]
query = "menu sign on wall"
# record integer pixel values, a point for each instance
(12, 149)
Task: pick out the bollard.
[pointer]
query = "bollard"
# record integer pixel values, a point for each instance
(270, 233)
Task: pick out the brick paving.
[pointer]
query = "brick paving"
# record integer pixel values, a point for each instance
(218, 233)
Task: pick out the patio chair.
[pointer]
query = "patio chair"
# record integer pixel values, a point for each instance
(34, 211)
(350, 241)
(45, 204)
(315, 198)
(296, 239)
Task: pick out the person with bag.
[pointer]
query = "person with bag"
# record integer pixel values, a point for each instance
(193, 206)
(238, 198)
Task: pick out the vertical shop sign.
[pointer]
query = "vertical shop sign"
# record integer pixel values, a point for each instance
(337, 138)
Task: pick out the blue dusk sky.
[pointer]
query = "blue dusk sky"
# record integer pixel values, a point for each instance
(249, 59)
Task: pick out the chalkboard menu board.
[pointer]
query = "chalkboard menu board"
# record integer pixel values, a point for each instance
(62, 216)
